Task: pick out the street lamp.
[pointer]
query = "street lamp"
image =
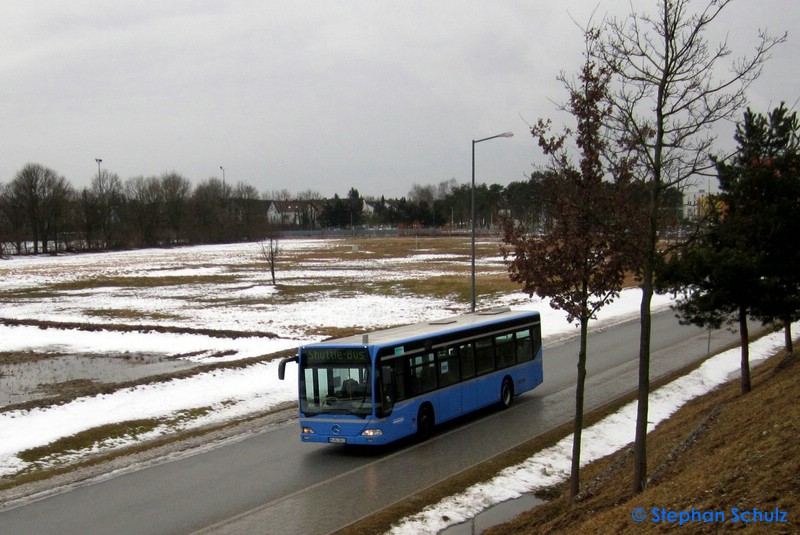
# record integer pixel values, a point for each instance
(99, 161)
(472, 210)
(223, 174)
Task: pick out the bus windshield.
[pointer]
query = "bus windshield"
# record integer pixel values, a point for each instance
(335, 380)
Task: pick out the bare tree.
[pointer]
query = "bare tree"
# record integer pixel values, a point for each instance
(211, 210)
(309, 195)
(145, 208)
(249, 217)
(445, 188)
(581, 263)
(43, 194)
(106, 197)
(422, 194)
(176, 191)
(671, 91)
(12, 218)
(270, 249)
(278, 195)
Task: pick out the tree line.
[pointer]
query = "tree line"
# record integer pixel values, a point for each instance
(40, 210)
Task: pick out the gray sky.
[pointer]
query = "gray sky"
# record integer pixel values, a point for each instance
(300, 95)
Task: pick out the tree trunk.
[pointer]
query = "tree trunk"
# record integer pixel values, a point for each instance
(273, 253)
(574, 480)
(35, 233)
(787, 334)
(744, 338)
(643, 397)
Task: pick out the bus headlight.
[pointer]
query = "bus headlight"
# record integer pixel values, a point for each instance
(307, 431)
(371, 433)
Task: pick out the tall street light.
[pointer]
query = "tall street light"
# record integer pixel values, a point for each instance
(223, 174)
(472, 214)
(99, 161)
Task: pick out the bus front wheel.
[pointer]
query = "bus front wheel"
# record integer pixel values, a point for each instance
(506, 393)
(425, 423)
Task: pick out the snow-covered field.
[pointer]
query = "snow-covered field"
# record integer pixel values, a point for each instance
(207, 289)
(220, 288)
(223, 287)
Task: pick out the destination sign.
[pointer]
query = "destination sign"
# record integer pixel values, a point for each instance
(330, 355)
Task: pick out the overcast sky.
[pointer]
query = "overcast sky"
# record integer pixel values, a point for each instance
(319, 95)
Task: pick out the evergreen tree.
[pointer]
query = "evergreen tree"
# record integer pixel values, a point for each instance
(745, 263)
(763, 181)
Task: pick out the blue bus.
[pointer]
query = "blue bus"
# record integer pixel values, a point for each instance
(381, 386)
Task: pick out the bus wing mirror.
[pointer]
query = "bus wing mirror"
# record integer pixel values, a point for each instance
(282, 366)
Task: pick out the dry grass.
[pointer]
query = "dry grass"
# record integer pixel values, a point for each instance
(59, 288)
(722, 451)
(53, 456)
(89, 438)
(24, 357)
(444, 278)
(128, 315)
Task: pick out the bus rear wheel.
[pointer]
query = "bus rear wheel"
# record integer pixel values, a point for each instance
(425, 423)
(506, 393)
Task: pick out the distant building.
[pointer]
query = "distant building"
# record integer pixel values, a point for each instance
(705, 205)
(294, 214)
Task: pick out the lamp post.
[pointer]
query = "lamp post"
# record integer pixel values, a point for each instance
(472, 209)
(223, 174)
(99, 161)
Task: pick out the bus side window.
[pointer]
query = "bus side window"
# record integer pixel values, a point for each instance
(466, 354)
(418, 375)
(399, 379)
(504, 349)
(426, 372)
(447, 366)
(524, 346)
(484, 351)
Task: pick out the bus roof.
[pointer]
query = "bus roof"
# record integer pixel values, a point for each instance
(415, 331)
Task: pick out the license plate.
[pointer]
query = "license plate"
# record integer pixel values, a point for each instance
(338, 440)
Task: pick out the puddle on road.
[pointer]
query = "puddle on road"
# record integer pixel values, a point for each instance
(502, 512)
(47, 375)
